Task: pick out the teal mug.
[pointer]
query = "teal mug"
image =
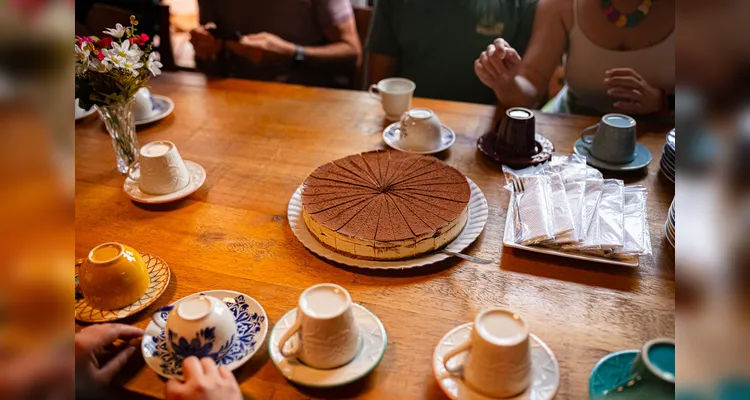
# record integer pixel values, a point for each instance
(652, 375)
(614, 141)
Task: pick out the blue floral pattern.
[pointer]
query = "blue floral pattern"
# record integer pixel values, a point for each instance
(244, 343)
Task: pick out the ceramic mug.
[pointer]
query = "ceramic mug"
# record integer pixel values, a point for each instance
(499, 359)
(516, 134)
(113, 276)
(159, 169)
(395, 96)
(614, 141)
(420, 130)
(327, 333)
(144, 106)
(199, 325)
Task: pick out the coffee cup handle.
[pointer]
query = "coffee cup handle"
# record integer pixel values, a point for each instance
(288, 335)
(588, 139)
(374, 92)
(160, 316)
(465, 346)
(134, 166)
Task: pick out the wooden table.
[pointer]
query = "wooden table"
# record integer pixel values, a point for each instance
(258, 142)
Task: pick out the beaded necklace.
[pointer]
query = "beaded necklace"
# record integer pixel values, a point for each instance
(629, 20)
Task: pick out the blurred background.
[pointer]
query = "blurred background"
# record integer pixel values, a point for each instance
(37, 174)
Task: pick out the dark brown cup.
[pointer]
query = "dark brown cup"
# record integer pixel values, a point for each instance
(516, 133)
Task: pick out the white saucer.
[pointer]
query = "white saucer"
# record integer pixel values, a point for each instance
(84, 114)
(478, 213)
(370, 353)
(252, 326)
(197, 177)
(164, 106)
(392, 136)
(544, 367)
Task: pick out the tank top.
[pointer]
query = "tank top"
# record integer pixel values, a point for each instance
(586, 64)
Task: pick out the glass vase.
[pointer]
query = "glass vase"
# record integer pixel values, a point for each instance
(121, 127)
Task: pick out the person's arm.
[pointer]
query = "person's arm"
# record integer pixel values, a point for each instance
(382, 44)
(524, 82)
(344, 44)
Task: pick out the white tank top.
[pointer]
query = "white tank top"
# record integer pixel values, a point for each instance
(586, 63)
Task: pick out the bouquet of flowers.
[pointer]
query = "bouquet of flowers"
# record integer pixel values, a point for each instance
(111, 69)
(109, 72)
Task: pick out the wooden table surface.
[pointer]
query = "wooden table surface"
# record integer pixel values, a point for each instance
(258, 142)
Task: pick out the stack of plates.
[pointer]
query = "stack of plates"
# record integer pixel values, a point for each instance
(669, 157)
(669, 227)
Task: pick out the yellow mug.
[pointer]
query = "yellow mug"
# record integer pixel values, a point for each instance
(113, 276)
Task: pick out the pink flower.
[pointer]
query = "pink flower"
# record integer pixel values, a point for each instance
(104, 42)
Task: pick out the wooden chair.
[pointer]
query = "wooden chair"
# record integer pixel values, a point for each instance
(362, 17)
(102, 16)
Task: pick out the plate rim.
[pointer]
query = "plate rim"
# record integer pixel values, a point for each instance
(611, 167)
(532, 338)
(161, 116)
(167, 198)
(137, 310)
(86, 113)
(375, 365)
(635, 352)
(297, 226)
(392, 144)
(231, 366)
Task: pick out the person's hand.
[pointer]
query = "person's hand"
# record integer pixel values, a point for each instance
(92, 345)
(203, 381)
(497, 65)
(263, 47)
(206, 46)
(632, 94)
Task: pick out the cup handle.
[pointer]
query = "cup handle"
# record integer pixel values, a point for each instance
(374, 92)
(465, 346)
(160, 316)
(134, 166)
(288, 335)
(588, 139)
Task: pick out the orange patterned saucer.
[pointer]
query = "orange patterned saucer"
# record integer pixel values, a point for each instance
(159, 272)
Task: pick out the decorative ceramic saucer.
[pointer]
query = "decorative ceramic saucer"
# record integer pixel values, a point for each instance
(252, 325)
(545, 381)
(158, 271)
(611, 372)
(83, 114)
(370, 353)
(478, 213)
(543, 145)
(197, 177)
(641, 160)
(164, 106)
(392, 137)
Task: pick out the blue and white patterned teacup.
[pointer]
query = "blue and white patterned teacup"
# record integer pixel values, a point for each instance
(199, 325)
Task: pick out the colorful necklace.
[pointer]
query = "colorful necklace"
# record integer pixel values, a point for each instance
(625, 20)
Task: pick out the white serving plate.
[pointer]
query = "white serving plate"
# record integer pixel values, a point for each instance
(478, 212)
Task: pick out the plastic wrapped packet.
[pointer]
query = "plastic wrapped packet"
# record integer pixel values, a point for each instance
(562, 219)
(591, 195)
(531, 208)
(572, 170)
(606, 230)
(637, 239)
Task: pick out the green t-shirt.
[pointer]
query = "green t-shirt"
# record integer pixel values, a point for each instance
(437, 41)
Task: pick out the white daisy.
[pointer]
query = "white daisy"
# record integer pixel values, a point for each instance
(125, 63)
(82, 59)
(100, 66)
(117, 31)
(124, 50)
(153, 64)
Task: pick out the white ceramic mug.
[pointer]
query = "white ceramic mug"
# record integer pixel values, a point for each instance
(144, 106)
(199, 325)
(395, 95)
(328, 335)
(499, 359)
(159, 169)
(420, 130)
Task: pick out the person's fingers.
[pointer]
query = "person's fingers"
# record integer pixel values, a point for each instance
(621, 72)
(209, 25)
(173, 389)
(225, 373)
(628, 106)
(488, 67)
(209, 366)
(496, 62)
(192, 368)
(482, 74)
(512, 57)
(624, 81)
(624, 93)
(104, 334)
(111, 368)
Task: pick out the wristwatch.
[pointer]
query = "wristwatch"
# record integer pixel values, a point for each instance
(299, 55)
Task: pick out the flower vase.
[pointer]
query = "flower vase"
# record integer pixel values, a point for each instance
(120, 124)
